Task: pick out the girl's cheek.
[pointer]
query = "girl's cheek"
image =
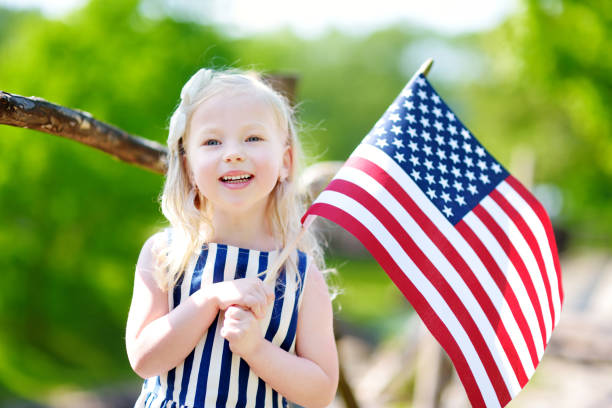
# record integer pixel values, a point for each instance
(205, 167)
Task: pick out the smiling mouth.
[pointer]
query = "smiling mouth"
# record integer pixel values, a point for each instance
(236, 179)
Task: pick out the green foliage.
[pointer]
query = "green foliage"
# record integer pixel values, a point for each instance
(345, 83)
(72, 219)
(550, 88)
(367, 297)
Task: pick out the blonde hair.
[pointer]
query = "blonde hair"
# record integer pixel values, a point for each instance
(188, 211)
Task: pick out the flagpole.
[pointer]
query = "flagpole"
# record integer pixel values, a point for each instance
(272, 272)
(424, 69)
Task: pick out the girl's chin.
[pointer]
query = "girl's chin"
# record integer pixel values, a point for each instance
(235, 206)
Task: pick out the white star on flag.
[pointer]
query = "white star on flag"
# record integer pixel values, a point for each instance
(447, 211)
(381, 142)
(398, 143)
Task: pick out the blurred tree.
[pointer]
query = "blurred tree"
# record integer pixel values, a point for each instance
(72, 219)
(346, 82)
(550, 88)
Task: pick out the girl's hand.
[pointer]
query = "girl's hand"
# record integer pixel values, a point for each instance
(241, 330)
(250, 293)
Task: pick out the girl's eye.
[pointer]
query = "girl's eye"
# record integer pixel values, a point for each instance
(211, 142)
(253, 138)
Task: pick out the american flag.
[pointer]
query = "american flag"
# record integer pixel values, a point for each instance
(471, 249)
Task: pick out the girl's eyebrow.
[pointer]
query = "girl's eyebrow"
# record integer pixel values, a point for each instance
(208, 130)
(255, 125)
(214, 130)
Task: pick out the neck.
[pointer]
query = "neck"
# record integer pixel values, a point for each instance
(245, 230)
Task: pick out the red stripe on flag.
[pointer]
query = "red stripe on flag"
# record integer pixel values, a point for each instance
(449, 251)
(531, 241)
(516, 260)
(420, 304)
(500, 279)
(433, 275)
(543, 216)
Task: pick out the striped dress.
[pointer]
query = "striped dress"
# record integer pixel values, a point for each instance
(211, 375)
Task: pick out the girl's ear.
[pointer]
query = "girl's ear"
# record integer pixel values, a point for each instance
(286, 164)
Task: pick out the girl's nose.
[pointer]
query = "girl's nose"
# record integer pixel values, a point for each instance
(234, 156)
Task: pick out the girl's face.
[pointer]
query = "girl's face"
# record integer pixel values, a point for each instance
(236, 151)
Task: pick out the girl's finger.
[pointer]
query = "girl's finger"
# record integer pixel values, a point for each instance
(257, 311)
(234, 312)
(269, 295)
(262, 302)
(229, 312)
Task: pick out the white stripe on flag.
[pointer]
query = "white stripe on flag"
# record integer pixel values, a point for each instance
(422, 284)
(509, 227)
(375, 155)
(443, 265)
(539, 232)
(512, 276)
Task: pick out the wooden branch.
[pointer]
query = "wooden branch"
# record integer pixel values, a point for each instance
(39, 114)
(285, 84)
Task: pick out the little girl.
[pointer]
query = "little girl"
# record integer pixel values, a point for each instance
(204, 330)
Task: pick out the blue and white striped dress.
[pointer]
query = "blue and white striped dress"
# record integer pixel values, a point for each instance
(211, 375)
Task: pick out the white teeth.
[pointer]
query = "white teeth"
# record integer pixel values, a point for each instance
(236, 178)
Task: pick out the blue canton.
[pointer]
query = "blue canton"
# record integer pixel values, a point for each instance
(425, 138)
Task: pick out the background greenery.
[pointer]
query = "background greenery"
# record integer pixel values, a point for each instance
(72, 219)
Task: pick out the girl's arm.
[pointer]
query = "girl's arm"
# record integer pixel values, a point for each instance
(158, 339)
(309, 377)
